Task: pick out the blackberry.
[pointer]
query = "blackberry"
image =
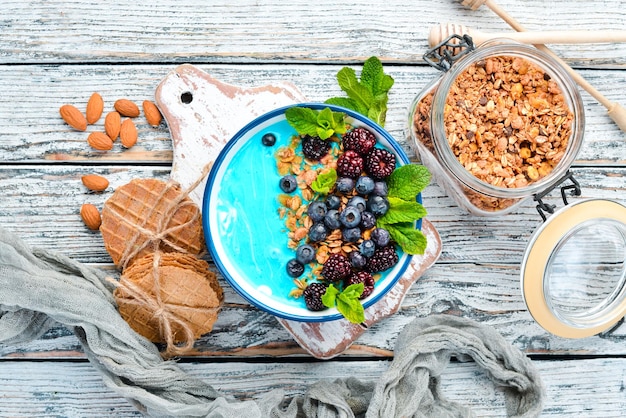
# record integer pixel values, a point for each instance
(383, 259)
(349, 164)
(314, 148)
(336, 268)
(313, 296)
(360, 140)
(380, 163)
(362, 277)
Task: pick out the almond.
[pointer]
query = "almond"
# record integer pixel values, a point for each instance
(151, 111)
(73, 117)
(95, 106)
(128, 133)
(126, 108)
(100, 141)
(95, 182)
(112, 122)
(91, 216)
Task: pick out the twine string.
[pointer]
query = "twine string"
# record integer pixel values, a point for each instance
(153, 301)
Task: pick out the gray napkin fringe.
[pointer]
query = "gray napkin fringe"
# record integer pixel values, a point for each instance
(39, 288)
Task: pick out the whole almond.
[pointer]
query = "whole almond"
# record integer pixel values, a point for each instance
(151, 111)
(95, 106)
(112, 122)
(100, 141)
(95, 182)
(126, 108)
(128, 133)
(73, 117)
(91, 216)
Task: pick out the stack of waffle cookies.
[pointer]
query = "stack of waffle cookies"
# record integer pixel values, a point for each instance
(153, 233)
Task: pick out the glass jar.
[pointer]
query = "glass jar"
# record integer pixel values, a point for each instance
(504, 122)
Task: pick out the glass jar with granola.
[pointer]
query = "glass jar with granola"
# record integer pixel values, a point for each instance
(504, 122)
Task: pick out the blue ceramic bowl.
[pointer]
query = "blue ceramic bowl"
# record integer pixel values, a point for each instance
(244, 234)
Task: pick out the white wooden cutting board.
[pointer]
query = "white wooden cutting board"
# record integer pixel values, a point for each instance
(202, 114)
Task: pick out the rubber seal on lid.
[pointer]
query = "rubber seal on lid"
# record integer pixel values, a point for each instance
(573, 275)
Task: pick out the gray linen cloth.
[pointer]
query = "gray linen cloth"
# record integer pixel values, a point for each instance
(39, 288)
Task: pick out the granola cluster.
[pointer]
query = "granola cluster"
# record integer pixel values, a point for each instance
(506, 121)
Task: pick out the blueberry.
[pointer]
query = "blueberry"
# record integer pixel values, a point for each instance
(288, 183)
(344, 184)
(295, 268)
(378, 205)
(318, 232)
(333, 201)
(381, 237)
(357, 260)
(331, 220)
(368, 220)
(350, 217)
(367, 248)
(317, 211)
(351, 234)
(364, 185)
(358, 202)
(268, 140)
(380, 189)
(305, 254)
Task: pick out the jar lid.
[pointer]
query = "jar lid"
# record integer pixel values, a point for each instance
(573, 275)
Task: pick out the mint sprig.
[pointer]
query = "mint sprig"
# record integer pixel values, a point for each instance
(323, 123)
(346, 301)
(324, 181)
(367, 95)
(404, 184)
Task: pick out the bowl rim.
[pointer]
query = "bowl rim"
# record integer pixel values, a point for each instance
(331, 313)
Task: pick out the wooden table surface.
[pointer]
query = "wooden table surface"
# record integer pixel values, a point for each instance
(55, 52)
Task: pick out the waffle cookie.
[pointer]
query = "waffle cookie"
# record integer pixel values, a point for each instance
(188, 289)
(139, 210)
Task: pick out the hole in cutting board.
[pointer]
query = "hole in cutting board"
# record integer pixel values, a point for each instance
(186, 97)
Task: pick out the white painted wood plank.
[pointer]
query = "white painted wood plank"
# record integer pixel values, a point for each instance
(49, 389)
(271, 31)
(31, 129)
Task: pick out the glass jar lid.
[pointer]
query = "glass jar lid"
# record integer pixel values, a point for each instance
(573, 275)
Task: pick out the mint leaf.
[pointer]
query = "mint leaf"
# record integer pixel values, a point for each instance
(402, 211)
(323, 123)
(328, 299)
(324, 181)
(349, 305)
(346, 77)
(407, 181)
(302, 119)
(411, 240)
(367, 95)
(347, 103)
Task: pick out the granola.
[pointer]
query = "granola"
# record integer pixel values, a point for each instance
(507, 123)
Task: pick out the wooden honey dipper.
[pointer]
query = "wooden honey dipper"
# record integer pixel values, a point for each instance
(615, 111)
(444, 30)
